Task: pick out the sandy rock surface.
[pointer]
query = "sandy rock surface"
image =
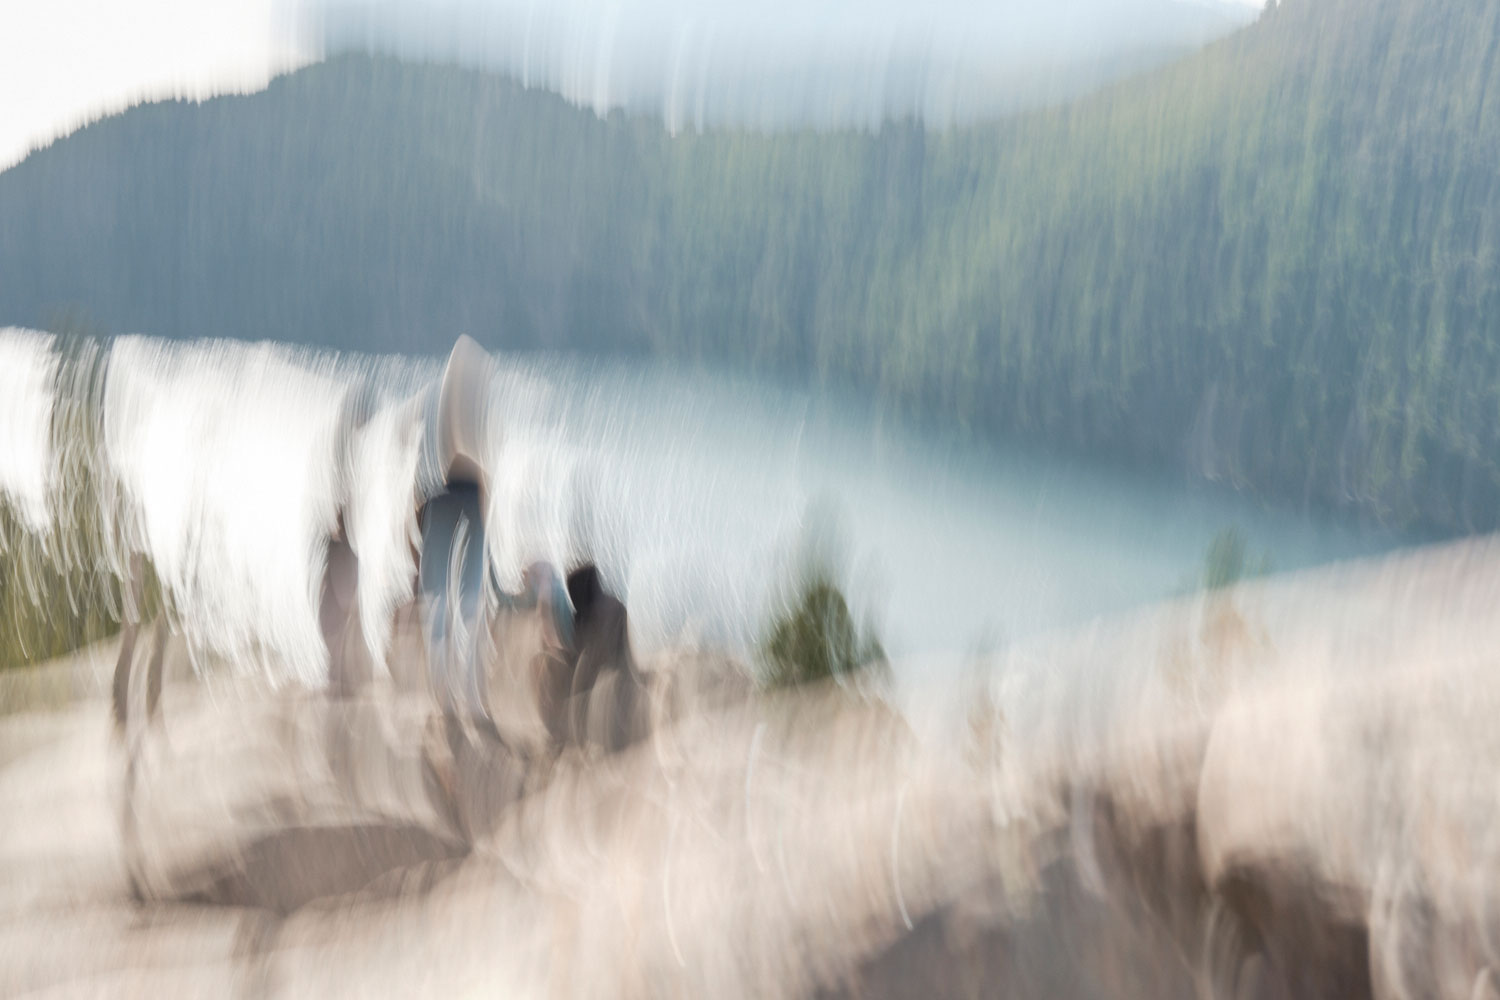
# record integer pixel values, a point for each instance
(1282, 790)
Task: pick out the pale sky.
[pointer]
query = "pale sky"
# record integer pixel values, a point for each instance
(66, 62)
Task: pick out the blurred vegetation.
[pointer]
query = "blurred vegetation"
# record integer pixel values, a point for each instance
(1228, 637)
(1274, 262)
(814, 637)
(1225, 562)
(63, 588)
(817, 640)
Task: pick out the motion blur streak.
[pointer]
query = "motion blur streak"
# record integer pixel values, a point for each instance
(226, 466)
(225, 457)
(770, 65)
(786, 65)
(751, 499)
(27, 370)
(1273, 784)
(1284, 788)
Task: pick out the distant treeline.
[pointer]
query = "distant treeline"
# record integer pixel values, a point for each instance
(1274, 262)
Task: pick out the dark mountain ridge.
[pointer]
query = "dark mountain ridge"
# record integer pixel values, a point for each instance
(1272, 263)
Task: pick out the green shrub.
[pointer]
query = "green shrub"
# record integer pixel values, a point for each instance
(814, 636)
(817, 639)
(1224, 564)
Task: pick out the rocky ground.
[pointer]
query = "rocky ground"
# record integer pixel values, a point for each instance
(1287, 789)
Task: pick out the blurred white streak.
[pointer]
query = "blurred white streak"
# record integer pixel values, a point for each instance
(783, 64)
(28, 370)
(224, 453)
(228, 465)
(769, 65)
(381, 519)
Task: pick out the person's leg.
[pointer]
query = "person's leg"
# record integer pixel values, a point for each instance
(130, 628)
(154, 669)
(439, 522)
(470, 601)
(120, 691)
(136, 733)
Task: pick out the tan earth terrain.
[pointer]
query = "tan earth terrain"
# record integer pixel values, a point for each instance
(1284, 789)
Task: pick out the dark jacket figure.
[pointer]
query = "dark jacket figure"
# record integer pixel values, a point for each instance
(608, 699)
(451, 574)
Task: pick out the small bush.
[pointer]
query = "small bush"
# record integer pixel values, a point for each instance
(814, 637)
(817, 639)
(1224, 564)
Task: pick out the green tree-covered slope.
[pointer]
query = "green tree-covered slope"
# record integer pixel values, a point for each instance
(1274, 262)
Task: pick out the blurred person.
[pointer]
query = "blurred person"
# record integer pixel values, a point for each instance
(350, 669)
(350, 661)
(549, 672)
(602, 653)
(126, 677)
(135, 698)
(453, 558)
(452, 571)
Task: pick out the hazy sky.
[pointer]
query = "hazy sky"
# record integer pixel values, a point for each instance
(65, 62)
(759, 62)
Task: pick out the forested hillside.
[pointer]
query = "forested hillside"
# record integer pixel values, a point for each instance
(1274, 262)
